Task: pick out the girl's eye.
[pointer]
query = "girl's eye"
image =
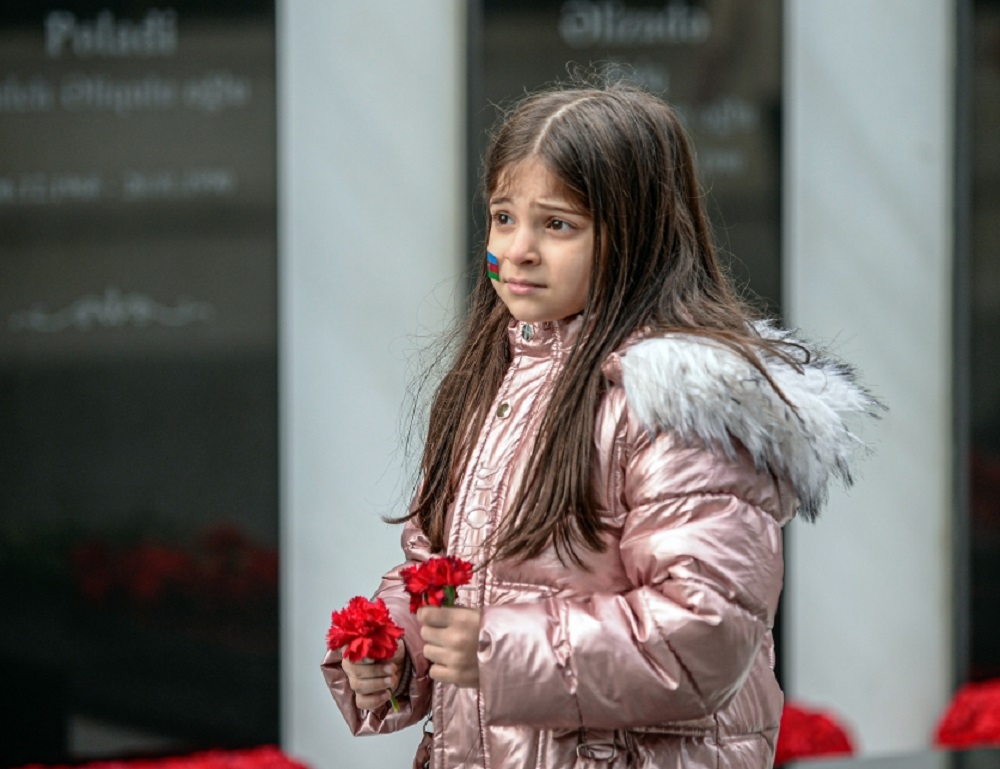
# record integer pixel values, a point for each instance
(559, 224)
(501, 218)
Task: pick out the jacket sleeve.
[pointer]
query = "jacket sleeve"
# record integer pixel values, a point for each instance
(705, 568)
(414, 700)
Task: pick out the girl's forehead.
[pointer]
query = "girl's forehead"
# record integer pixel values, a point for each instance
(532, 175)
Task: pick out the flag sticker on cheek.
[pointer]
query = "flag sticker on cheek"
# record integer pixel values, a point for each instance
(492, 266)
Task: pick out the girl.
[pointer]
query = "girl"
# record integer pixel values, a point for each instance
(616, 448)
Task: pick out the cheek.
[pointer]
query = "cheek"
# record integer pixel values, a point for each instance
(492, 240)
(496, 288)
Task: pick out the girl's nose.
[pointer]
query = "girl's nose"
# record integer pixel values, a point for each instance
(522, 248)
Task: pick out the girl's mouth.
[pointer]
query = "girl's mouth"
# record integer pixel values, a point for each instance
(522, 287)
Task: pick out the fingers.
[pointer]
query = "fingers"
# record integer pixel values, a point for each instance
(451, 641)
(371, 701)
(441, 655)
(435, 616)
(447, 616)
(369, 678)
(439, 620)
(460, 672)
(372, 682)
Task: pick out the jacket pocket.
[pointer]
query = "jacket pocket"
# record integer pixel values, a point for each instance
(592, 749)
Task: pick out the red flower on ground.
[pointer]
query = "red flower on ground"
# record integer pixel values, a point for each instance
(266, 757)
(365, 630)
(809, 733)
(434, 582)
(972, 718)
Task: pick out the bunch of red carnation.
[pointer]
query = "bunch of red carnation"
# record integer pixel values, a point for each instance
(222, 568)
(435, 581)
(365, 630)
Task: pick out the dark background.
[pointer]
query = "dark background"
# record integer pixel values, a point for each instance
(983, 295)
(138, 390)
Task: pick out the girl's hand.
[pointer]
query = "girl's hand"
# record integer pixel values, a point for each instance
(373, 682)
(451, 643)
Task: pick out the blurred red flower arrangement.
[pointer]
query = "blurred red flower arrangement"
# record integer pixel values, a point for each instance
(808, 734)
(267, 757)
(223, 568)
(435, 581)
(364, 630)
(973, 717)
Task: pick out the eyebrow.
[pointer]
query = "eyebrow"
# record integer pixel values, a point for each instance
(543, 204)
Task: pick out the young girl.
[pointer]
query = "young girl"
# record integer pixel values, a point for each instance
(615, 448)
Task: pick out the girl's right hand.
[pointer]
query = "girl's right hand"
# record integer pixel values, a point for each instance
(373, 682)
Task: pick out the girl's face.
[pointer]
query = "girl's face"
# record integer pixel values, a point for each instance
(543, 242)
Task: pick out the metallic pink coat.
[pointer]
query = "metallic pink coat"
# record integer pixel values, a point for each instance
(659, 653)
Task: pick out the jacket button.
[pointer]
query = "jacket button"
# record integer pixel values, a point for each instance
(503, 410)
(527, 332)
(477, 517)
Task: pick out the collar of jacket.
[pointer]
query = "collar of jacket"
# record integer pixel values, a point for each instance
(546, 339)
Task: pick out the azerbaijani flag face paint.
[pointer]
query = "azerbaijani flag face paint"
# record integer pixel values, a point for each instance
(492, 266)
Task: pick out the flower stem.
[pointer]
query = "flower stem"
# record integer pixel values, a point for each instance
(450, 595)
(395, 702)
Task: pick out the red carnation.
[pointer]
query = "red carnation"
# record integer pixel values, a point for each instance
(807, 733)
(267, 757)
(434, 582)
(365, 630)
(972, 718)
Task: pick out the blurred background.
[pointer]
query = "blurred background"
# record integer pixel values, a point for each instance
(231, 231)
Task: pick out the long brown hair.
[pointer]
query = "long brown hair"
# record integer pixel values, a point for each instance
(626, 158)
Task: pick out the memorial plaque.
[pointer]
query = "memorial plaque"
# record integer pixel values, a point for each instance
(138, 376)
(718, 62)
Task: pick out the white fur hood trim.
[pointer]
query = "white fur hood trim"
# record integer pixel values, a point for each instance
(701, 389)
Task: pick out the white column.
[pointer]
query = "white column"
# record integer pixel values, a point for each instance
(868, 266)
(371, 153)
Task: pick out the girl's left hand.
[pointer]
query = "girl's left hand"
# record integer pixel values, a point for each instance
(451, 643)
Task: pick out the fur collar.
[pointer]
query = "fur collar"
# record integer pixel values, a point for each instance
(705, 391)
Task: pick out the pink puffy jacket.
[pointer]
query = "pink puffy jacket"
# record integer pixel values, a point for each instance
(660, 653)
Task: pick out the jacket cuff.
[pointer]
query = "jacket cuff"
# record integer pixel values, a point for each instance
(404, 676)
(414, 701)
